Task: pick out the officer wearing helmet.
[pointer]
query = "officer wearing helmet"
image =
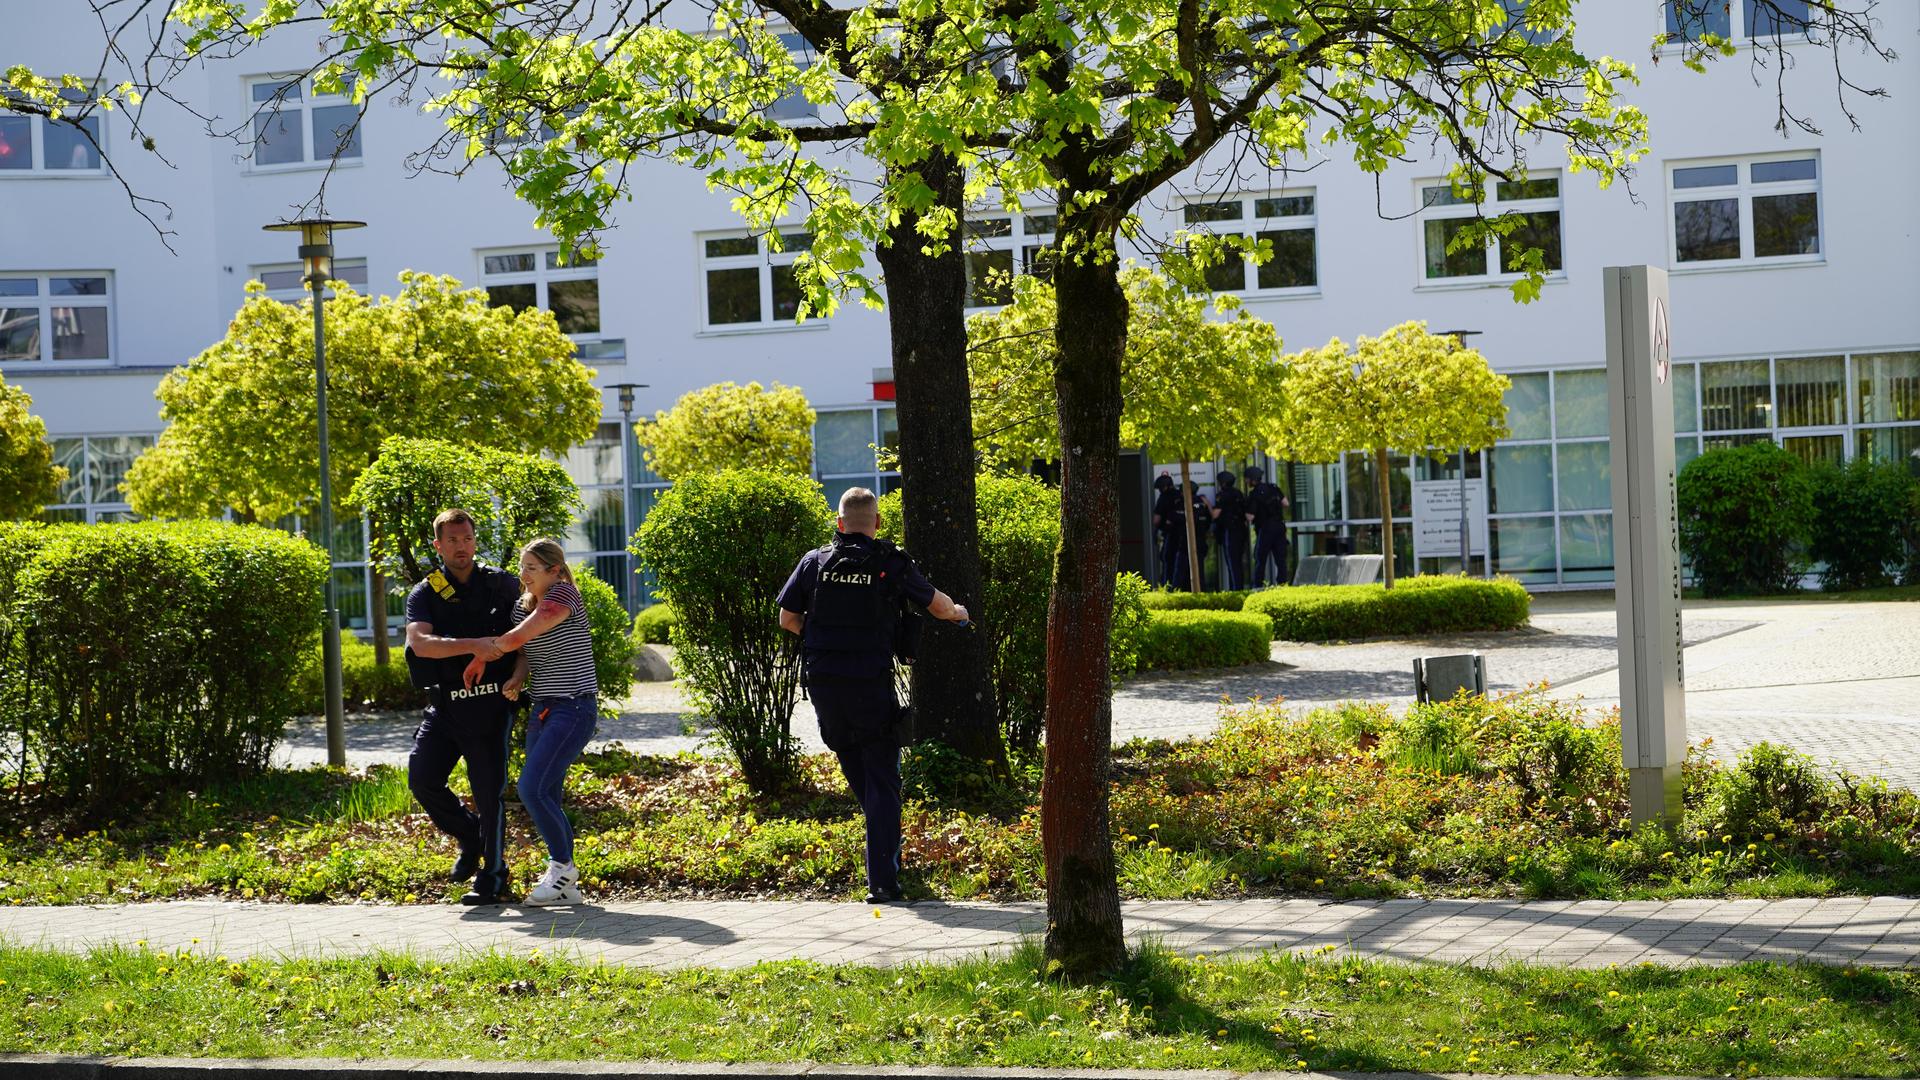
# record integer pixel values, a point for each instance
(846, 601)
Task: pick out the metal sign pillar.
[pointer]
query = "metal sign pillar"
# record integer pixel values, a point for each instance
(1646, 544)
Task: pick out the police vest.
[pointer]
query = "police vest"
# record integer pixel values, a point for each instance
(1267, 509)
(481, 608)
(855, 604)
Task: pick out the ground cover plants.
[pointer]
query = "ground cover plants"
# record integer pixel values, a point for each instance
(1514, 797)
(1276, 1012)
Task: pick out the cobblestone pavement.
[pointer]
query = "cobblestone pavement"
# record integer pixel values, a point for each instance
(1877, 931)
(1837, 680)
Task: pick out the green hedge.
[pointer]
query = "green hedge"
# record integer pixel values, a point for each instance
(1182, 640)
(1164, 600)
(143, 656)
(612, 639)
(366, 686)
(1746, 519)
(1433, 604)
(654, 624)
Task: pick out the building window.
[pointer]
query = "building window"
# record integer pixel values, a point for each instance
(1690, 20)
(96, 467)
(1286, 222)
(293, 124)
(38, 146)
(539, 278)
(843, 450)
(793, 105)
(64, 316)
(1748, 210)
(747, 282)
(1001, 246)
(1445, 212)
(287, 282)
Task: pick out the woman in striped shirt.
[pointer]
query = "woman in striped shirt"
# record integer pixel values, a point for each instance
(556, 665)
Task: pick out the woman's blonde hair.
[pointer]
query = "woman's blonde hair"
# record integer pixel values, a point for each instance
(552, 556)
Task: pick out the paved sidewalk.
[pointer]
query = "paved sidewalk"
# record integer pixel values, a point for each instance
(1877, 931)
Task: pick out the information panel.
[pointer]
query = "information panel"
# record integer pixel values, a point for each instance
(1436, 518)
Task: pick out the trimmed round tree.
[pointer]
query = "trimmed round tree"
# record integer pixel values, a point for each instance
(729, 426)
(28, 477)
(1407, 390)
(722, 545)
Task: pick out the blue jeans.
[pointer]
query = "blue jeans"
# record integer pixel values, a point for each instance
(556, 733)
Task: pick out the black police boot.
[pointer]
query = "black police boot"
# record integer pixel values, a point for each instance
(477, 899)
(885, 896)
(465, 866)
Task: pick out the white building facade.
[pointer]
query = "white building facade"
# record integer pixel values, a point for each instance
(1796, 301)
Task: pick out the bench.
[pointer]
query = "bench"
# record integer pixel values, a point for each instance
(1337, 570)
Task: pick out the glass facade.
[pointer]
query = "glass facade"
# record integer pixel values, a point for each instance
(1549, 483)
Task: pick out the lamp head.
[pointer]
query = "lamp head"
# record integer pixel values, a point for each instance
(316, 245)
(626, 395)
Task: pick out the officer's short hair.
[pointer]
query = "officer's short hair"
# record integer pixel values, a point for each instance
(860, 506)
(454, 516)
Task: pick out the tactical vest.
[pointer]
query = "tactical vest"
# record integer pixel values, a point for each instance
(854, 604)
(481, 608)
(1267, 510)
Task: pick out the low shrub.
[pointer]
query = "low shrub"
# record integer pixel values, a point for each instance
(1132, 624)
(653, 624)
(1432, 604)
(365, 685)
(1167, 600)
(146, 655)
(1183, 640)
(721, 546)
(1860, 523)
(1746, 519)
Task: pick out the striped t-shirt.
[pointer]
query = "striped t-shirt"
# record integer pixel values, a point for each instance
(560, 661)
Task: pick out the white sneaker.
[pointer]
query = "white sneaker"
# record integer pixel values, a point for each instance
(559, 885)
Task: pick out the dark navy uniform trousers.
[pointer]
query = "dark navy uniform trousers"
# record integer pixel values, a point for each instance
(480, 736)
(855, 718)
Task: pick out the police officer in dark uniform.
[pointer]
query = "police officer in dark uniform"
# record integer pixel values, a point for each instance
(1170, 521)
(845, 601)
(452, 616)
(1202, 512)
(1230, 517)
(1268, 504)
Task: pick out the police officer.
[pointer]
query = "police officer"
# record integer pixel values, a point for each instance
(1170, 521)
(1268, 506)
(844, 600)
(1230, 518)
(452, 616)
(1202, 512)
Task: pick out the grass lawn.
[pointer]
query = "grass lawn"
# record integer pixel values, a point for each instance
(1275, 1012)
(1513, 797)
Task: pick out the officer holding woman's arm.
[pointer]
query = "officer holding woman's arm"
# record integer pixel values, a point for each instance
(844, 600)
(451, 617)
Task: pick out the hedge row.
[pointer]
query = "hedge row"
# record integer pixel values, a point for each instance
(653, 625)
(1165, 600)
(1183, 640)
(141, 656)
(1433, 604)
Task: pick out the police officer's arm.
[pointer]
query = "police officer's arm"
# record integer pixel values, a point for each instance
(424, 642)
(793, 622)
(943, 607)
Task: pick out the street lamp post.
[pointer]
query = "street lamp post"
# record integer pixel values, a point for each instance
(626, 467)
(316, 253)
(1466, 539)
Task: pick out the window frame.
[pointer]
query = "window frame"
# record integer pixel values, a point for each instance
(1023, 244)
(44, 301)
(38, 126)
(1737, 30)
(298, 293)
(1251, 224)
(762, 259)
(93, 509)
(1490, 206)
(310, 100)
(546, 271)
(1743, 190)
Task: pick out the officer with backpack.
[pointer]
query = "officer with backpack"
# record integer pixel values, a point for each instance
(845, 600)
(1170, 522)
(451, 617)
(1268, 505)
(1231, 513)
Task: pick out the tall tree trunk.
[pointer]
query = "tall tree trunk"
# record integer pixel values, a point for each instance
(926, 315)
(377, 615)
(1193, 547)
(1386, 516)
(1084, 932)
